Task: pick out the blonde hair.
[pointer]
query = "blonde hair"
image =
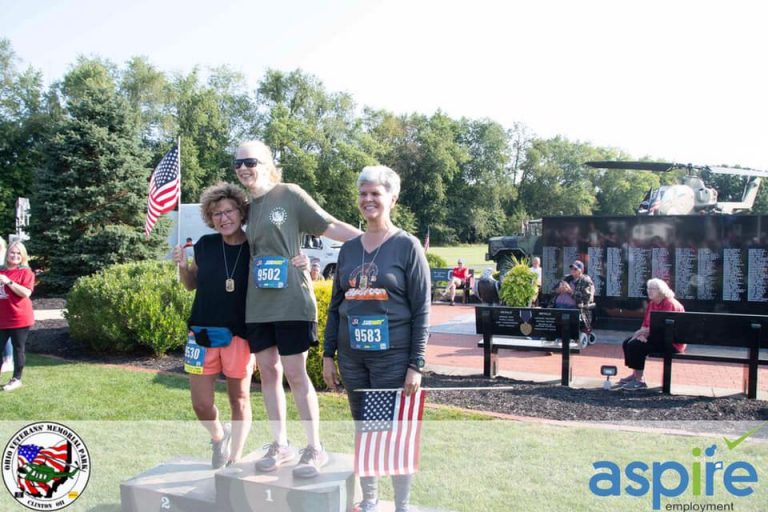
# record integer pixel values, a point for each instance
(662, 286)
(218, 192)
(22, 250)
(263, 154)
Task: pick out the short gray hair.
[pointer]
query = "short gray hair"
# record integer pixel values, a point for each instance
(380, 175)
(662, 286)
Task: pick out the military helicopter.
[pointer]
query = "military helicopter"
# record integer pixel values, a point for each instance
(692, 196)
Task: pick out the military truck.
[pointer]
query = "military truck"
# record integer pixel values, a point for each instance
(525, 245)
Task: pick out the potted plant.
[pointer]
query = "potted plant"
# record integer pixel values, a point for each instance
(518, 288)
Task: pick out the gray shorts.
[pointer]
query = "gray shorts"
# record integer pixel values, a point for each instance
(383, 369)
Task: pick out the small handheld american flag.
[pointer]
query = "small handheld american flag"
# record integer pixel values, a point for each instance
(387, 439)
(164, 189)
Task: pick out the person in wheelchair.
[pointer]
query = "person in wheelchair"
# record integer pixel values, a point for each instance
(577, 291)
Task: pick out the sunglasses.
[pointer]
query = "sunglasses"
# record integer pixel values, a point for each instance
(248, 162)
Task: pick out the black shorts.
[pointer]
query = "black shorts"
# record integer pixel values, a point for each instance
(291, 337)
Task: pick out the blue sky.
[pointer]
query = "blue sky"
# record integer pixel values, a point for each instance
(681, 80)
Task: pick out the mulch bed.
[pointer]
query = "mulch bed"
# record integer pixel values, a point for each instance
(548, 401)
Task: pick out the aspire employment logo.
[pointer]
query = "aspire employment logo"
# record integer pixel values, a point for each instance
(705, 475)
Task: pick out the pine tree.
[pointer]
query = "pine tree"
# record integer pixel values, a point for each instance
(89, 206)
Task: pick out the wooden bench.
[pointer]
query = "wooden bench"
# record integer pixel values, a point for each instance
(527, 329)
(699, 330)
(441, 277)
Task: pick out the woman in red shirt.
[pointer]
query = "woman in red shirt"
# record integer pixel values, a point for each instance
(636, 349)
(16, 316)
(458, 278)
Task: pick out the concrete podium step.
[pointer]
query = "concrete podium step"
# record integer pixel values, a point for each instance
(182, 484)
(186, 484)
(240, 487)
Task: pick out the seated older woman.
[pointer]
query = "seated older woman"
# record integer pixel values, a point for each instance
(637, 347)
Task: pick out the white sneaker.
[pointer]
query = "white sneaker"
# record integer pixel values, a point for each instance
(12, 384)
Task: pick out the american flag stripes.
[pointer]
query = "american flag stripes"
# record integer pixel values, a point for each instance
(56, 458)
(387, 439)
(164, 189)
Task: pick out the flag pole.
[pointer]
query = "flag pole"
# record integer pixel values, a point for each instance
(476, 388)
(178, 213)
(178, 210)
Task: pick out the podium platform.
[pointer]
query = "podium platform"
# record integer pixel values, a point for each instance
(240, 487)
(182, 484)
(190, 485)
(186, 484)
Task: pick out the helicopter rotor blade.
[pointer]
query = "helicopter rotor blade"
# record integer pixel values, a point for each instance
(739, 172)
(639, 166)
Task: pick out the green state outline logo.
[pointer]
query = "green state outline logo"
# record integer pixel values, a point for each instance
(46, 466)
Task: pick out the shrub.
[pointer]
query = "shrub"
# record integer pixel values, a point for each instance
(436, 261)
(128, 306)
(518, 288)
(323, 291)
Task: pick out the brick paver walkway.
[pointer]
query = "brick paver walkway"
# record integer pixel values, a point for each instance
(460, 351)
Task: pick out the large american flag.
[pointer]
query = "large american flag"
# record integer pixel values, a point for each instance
(56, 457)
(164, 189)
(387, 440)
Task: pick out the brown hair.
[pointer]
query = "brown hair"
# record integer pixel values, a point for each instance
(216, 193)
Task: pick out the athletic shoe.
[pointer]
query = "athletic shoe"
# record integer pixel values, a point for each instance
(366, 506)
(310, 463)
(626, 380)
(12, 384)
(275, 457)
(635, 385)
(221, 448)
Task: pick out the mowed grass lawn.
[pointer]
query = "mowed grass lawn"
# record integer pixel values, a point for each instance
(133, 420)
(473, 255)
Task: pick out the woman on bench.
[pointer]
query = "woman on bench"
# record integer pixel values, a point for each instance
(636, 348)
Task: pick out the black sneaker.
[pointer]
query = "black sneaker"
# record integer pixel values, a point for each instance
(310, 463)
(221, 448)
(275, 457)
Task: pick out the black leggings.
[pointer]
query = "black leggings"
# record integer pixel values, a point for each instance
(636, 351)
(19, 341)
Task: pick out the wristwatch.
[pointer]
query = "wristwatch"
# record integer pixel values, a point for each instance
(416, 363)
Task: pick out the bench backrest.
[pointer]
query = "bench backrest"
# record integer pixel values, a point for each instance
(543, 323)
(441, 276)
(719, 329)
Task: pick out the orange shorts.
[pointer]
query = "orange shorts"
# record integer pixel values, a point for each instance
(234, 360)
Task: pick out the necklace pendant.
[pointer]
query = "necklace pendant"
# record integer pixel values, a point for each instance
(363, 281)
(229, 285)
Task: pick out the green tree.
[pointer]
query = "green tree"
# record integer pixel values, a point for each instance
(23, 124)
(90, 200)
(478, 194)
(316, 137)
(554, 179)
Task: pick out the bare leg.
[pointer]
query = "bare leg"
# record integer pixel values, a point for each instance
(271, 373)
(240, 402)
(202, 392)
(304, 394)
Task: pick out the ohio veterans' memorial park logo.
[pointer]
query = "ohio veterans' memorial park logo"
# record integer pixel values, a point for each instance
(701, 475)
(46, 466)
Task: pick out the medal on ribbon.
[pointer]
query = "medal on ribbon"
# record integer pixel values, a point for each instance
(525, 327)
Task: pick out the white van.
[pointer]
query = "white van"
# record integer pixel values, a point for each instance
(323, 250)
(318, 248)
